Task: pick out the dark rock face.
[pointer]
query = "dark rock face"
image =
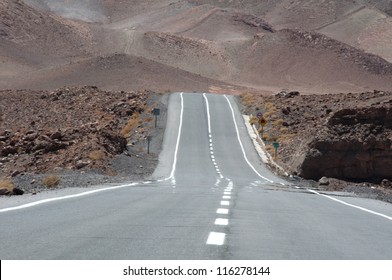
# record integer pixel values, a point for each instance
(355, 144)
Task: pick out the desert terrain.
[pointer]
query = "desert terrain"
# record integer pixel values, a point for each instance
(113, 58)
(312, 46)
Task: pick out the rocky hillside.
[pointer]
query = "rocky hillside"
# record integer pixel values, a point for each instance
(344, 136)
(69, 128)
(30, 30)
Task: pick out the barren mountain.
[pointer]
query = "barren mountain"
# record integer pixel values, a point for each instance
(313, 46)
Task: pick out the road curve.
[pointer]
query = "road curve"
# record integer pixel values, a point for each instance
(209, 198)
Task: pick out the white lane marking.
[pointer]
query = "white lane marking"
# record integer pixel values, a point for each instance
(283, 184)
(208, 115)
(225, 203)
(230, 184)
(221, 222)
(210, 137)
(226, 197)
(351, 205)
(227, 192)
(242, 147)
(216, 238)
(222, 211)
(28, 205)
(297, 187)
(178, 137)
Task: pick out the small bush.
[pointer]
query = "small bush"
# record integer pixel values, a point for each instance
(51, 181)
(7, 184)
(278, 122)
(132, 123)
(96, 155)
(284, 130)
(253, 120)
(248, 99)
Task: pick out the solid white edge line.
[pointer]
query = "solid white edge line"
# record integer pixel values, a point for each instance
(208, 114)
(178, 137)
(351, 205)
(28, 205)
(242, 147)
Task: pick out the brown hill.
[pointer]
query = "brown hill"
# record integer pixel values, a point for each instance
(265, 45)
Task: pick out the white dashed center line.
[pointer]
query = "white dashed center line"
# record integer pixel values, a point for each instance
(221, 222)
(222, 211)
(225, 203)
(216, 238)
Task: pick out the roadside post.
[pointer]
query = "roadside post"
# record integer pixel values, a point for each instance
(276, 146)
(149, 138)
(156, 112)
(262, 123)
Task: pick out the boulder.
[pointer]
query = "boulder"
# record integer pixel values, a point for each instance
(8, 150)
(324, 181)
(386, 184)
(5, 191)
(17, 191)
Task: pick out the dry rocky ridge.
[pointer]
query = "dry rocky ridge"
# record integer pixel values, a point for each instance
(81, 129)
(346, 137)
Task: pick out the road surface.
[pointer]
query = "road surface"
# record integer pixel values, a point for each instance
(210, 198)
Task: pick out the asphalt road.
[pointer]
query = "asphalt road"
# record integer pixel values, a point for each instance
(210, 198)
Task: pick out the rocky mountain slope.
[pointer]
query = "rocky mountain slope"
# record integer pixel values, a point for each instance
(261, 45)
(69, 128)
